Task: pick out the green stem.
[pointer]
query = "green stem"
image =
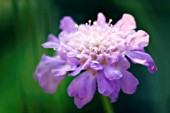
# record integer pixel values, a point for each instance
(107, 105)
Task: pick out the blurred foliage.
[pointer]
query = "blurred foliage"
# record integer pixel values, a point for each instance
(24, 26)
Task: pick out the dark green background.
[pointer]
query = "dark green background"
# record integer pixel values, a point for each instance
(24, 26)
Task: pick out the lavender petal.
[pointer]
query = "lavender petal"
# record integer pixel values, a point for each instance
(105, 86)
(139, 41)
(128, 83)
(126, 23)
(144, 59)
(52, 42)
(43, 74)
(76, 71)
(82, 88)
(114, 95)
(67, 24)
(111, 72)
(123, 63)
(101, 18)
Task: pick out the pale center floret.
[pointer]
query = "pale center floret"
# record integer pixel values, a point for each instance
(93, 40)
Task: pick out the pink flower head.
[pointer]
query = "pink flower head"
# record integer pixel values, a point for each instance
(99, 50)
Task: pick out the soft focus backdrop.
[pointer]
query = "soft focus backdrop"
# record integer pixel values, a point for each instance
(24, 26)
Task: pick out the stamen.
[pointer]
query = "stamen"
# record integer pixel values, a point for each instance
(110, 21)
(94, 23)
(89, 22)
(76, 26)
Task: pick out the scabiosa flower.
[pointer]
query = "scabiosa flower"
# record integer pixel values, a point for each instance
(95, 53)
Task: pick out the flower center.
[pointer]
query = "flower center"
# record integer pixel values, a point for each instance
(93, 40)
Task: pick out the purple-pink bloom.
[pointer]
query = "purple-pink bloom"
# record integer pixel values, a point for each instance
(95, 53)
